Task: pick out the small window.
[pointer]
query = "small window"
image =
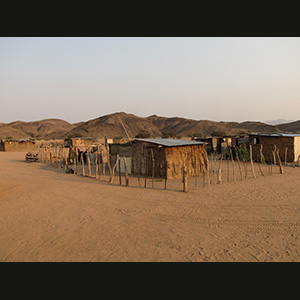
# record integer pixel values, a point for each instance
(256, 141)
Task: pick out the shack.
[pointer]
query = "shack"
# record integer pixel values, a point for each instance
(118, 152)
(215, 144)
(18, 145)
(288, 145)
(166, 157)
(79, 141)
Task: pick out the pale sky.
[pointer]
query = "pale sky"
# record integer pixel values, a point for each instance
(220, 79)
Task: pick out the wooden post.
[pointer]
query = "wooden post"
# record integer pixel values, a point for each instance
(233, 167)
(51, 155)
(56, 158)
(120, 176)
(220, 171)
(146, 169)
(153, 166)
(75, 162)
(126, 173)
(139, 168)
(109, 167)
(279, 162)
(82, 163)
(228, 176)
(285, 156)
(96, 165)
(274, 155)
(166, 179)
(89, 163)
(112, 175)
(239, 164)
(103, 166)
(184, 177)
(251, 160)
(259, 163)
(99, 162)
(271, 169)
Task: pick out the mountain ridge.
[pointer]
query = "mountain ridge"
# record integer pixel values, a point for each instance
(119, 124)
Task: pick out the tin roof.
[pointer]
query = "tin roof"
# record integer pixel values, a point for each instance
(18, 140)
(171, 142)
(277, 134)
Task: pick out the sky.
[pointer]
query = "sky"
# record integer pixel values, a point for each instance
(200, 78)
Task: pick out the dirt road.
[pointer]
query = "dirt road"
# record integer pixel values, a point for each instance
(47, 215)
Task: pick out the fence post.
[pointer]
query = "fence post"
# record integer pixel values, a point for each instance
(184, 177)
(251, 160)
(126, 173)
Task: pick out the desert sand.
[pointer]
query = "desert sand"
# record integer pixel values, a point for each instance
(47, 215)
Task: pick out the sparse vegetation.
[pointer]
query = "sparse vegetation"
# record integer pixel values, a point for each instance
(73, 135)
(143, 134)
(169, 135)
(219, 133)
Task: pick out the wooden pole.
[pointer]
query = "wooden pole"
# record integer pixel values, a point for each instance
(139, 168)
(126, 173)
(89, 163)
(82, 163)
(99, 162)
(67, 167)
(220, 170)
(166, 179)
(146, 169)
(274, 155)
(251, 161)
(104, 169)
(279, 162)
(233, 166)
(184, 176)
(96, 165)
(238, 160)
(120, 176)
(259, 166)
(153, 166)
(195, 169)
(113, 171)
(56, 158)
(285, 156)
(51, 157)
(75, 161)
(271, 169)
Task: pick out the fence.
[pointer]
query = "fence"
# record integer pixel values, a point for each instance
(232, 165)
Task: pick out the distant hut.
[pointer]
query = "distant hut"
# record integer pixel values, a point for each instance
(168, 155)
(241, 140)
(215, 144)
(288, 145)
(18, 145)
(79, 141)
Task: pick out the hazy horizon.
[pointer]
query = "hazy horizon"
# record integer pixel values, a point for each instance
(217, 79)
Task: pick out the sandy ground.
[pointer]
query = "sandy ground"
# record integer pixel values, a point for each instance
(47, 215)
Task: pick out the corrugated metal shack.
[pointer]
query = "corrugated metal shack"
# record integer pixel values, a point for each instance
(287, 143)
(168, 156)
(18, 145)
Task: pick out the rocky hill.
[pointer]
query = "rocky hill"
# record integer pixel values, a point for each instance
(120, 124)
(44, 129)
(290, 127)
